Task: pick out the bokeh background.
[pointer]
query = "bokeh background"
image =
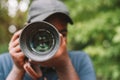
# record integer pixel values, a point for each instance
(96, 30)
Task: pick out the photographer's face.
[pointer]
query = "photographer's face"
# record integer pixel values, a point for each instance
(60, 23)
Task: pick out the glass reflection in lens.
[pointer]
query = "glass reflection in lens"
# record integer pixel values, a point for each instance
(42, 41)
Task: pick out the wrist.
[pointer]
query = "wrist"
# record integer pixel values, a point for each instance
(18, 71)
(16, 74)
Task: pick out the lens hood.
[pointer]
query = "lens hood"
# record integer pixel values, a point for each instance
(39, 41)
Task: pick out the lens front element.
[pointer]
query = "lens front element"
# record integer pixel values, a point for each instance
(42, 41)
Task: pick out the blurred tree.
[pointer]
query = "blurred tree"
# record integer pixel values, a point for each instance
(97, 31)
(6, 21)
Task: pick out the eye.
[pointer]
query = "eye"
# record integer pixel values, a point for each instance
(64, 32)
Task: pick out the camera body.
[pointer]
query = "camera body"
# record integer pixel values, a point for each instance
(39, 41)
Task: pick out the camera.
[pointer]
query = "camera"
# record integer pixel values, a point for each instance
(39, 41)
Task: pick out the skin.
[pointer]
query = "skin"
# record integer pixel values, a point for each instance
(61, 61)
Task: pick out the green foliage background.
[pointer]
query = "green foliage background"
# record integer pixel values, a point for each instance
(96, 30)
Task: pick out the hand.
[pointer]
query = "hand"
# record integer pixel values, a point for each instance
(16, 53)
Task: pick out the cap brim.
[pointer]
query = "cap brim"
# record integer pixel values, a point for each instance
(46, 15)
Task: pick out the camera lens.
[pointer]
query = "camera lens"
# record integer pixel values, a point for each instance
(42, 41)
(39, 41)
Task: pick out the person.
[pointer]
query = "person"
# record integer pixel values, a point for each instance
(65, 65)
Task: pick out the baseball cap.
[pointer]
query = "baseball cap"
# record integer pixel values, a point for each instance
(41, 9)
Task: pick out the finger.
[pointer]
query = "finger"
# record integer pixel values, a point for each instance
(61, 37)
(16, 35)
(14, 44)
(34, 73)
(18, 55)
(16, 49)
(63, 40)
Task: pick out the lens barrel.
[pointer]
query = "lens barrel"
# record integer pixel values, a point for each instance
(39, 41)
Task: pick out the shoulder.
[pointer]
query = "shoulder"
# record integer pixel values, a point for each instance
(79, 57)
(79, 54)
(5, 59)
(83, 65)
(5, 64)
(4, 55)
